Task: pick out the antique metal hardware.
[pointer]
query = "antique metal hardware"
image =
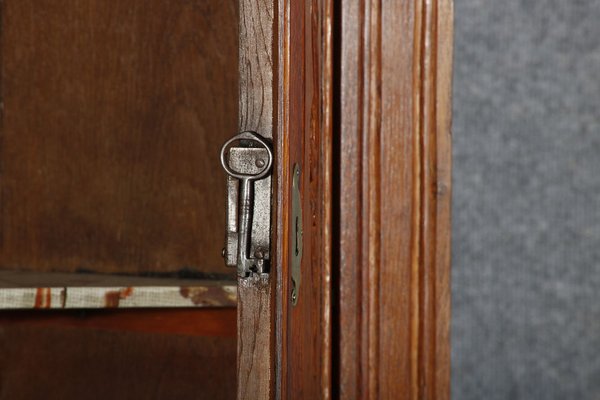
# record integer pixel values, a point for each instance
(296, 234)
(247, 158)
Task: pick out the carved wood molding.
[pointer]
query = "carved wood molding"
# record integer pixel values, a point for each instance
(362, 95)
(394, 188)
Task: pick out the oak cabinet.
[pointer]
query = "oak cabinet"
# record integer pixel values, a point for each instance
(113, 202)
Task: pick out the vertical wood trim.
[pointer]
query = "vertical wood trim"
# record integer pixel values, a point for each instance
(256, 374)
(282, 149)
(435, 69)
(305, 137)
(394, 215)
(440, 69)
(324, 200)
(254, 338)
(256, 67)
(350, 378)
(370, 178)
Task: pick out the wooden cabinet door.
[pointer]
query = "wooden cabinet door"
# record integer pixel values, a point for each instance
(285, 84)
(360, 102)
(395, 62)
(113, 115)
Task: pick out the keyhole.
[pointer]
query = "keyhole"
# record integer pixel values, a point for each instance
(297, 237)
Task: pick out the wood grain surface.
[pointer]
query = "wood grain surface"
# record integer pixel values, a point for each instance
(64, 363)
(255, 338)
(394, 215)
(113, 114)
(305, 127)
(256, 326)
(112, 117)
(193, 322)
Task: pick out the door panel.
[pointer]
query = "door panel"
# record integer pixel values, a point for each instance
(113, 116)
(394, 206)
(306, 323)
(363, 110)
(284, 345)
(256, 315)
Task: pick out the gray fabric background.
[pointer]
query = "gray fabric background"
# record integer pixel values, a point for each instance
(526, 211)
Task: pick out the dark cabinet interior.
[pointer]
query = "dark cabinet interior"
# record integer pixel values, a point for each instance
(113, 114)
(112, 117)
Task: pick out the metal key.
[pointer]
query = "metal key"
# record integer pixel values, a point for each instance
(246, 264)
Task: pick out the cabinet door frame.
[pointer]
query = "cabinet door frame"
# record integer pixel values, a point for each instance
(256, 368)
(283, 349)
(394, 204)
(361, 101)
